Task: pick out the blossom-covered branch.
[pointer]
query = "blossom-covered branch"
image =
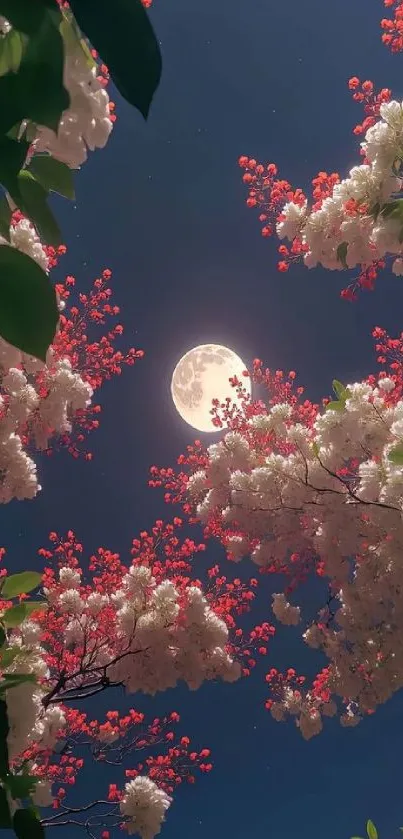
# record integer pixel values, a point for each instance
(48, 404)
(307, 490)
(352, 223)
(143, 627)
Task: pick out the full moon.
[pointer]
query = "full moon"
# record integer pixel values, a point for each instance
(202, 375)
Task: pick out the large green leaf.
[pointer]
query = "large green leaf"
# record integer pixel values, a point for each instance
(26, 824)
(8, 655)
(13, 680)
(4, 729)
(11, 47)
(12, 98)
(41, 74)
(15, 615)
(33, 202)
(53, 175)
(21, 786)
(12, 158)
(26, 15)
(123, 36)
(20, 584)
(5, 817)
(36, 92)
(28, 307)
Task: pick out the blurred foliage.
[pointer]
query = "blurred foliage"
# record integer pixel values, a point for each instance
(32, 93)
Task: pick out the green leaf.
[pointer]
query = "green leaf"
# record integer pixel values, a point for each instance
(371, 830)
(21, 786)
(11, 47)
(5, 816)
(335, 406)
(340, 390)
(342, 253)
(33, 203)
(3, 637)
(8, 655)
(396, 455)
(20, 584)
(123, 36)
(53, 175)
(28, 308)
(36, 92)
(392, 209)
(315, 449)
(5, 218)
(87, 52)
(4, 729)
(15, 615)
(26, 825)
(12, 158)
(25, 15)
(13, 680)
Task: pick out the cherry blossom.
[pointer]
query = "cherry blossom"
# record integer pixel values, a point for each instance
(307, 490)
(43, 405)
(350, 223)
(141, 627)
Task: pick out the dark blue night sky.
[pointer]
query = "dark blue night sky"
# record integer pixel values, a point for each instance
(163, 207)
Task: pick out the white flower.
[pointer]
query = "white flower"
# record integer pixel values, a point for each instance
(144, 806)
(397, 267)
(69, 578)
(86, 123)
(71, 602)
(295, 216)
(284, 612)
(310, 723)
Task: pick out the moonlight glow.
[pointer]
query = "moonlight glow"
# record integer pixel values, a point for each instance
(202, 375)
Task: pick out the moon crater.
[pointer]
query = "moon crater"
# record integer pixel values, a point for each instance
(200, 376)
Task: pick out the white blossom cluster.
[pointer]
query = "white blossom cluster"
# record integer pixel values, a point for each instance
(366, 236)
(284, 612)
(161, 636)
(22, 406)
(24, 237)
(271, 505)
(144, 806)
(29, 721)
(86, 123)
(24, 409)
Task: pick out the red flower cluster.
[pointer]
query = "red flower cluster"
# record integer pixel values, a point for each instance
(268, 193)
(115, 742)
(393, 27)
(168, 557)
(364, 93)
(95, 360)
(278, 388)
